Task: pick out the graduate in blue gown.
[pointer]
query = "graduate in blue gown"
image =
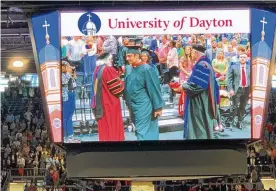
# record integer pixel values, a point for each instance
(143, 96)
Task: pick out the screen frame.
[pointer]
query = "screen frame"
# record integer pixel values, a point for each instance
(140, 8)
(161, 143)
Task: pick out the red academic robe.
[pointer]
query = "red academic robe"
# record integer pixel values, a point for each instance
(110, 125)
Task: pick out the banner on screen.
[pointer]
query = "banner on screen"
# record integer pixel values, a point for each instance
(157, 22)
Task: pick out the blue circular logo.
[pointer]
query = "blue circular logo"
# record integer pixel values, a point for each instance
(89, 24)
(57, 123)
(258, 119)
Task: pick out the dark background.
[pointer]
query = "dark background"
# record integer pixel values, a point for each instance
(147, 159)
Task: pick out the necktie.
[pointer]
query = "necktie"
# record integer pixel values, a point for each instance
(243, 82)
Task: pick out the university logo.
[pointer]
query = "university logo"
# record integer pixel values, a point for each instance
(258, 119)
(89, 24)
(57, 123)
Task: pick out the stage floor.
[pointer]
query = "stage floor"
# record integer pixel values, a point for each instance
(175, 135)
(170, 124)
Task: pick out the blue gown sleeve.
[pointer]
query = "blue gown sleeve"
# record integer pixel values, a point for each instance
(154, 89)
(192, 89)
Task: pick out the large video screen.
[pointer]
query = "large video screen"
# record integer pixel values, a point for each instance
(139, 75)
(155, 75)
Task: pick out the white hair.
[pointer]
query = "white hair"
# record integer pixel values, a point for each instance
(106, 60)
(200, 53)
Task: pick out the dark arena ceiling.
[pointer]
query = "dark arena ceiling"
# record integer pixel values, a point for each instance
(15, 37)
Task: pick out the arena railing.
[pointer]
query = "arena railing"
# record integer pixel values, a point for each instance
(82, 187)
(264, 170)
(28, 173)
(176, 187)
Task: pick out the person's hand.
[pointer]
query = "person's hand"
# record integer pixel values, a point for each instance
(180, 89)
(157, 113)
(221, 78)
(231, 93)
(74, 75)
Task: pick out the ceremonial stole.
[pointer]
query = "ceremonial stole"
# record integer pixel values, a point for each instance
(186, 113)
(213, 92)
(116, 87)
(211, 96)
(97, 98)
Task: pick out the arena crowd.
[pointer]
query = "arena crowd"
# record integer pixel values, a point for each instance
(26, 147)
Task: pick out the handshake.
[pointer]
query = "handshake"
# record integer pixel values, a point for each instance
(175, 86)
(220, 77)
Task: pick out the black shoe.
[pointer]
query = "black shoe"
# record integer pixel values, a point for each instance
(234, 124)
(221, 128)
(171, 100)
(240, 126)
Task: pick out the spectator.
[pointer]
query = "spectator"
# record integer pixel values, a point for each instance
(55, 176)
(35, 165)
(12, 126)
(269, 128)
(29, 166)
(5, 128)
(10, 118)
(39, 149)
(252, 156)
(32, 187)
(26, 150)
(118, 186)
(259, 185)
(269, 155)
(49, 161)
(7, 151)
(35, 120)
(184, 187)
(48, 179)
(41, 120)
(28, 117)
(56, 160)
(248, 185)
(63, 174)
(263, 154)
(21, 165)
(254, 175)
(17, 143)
